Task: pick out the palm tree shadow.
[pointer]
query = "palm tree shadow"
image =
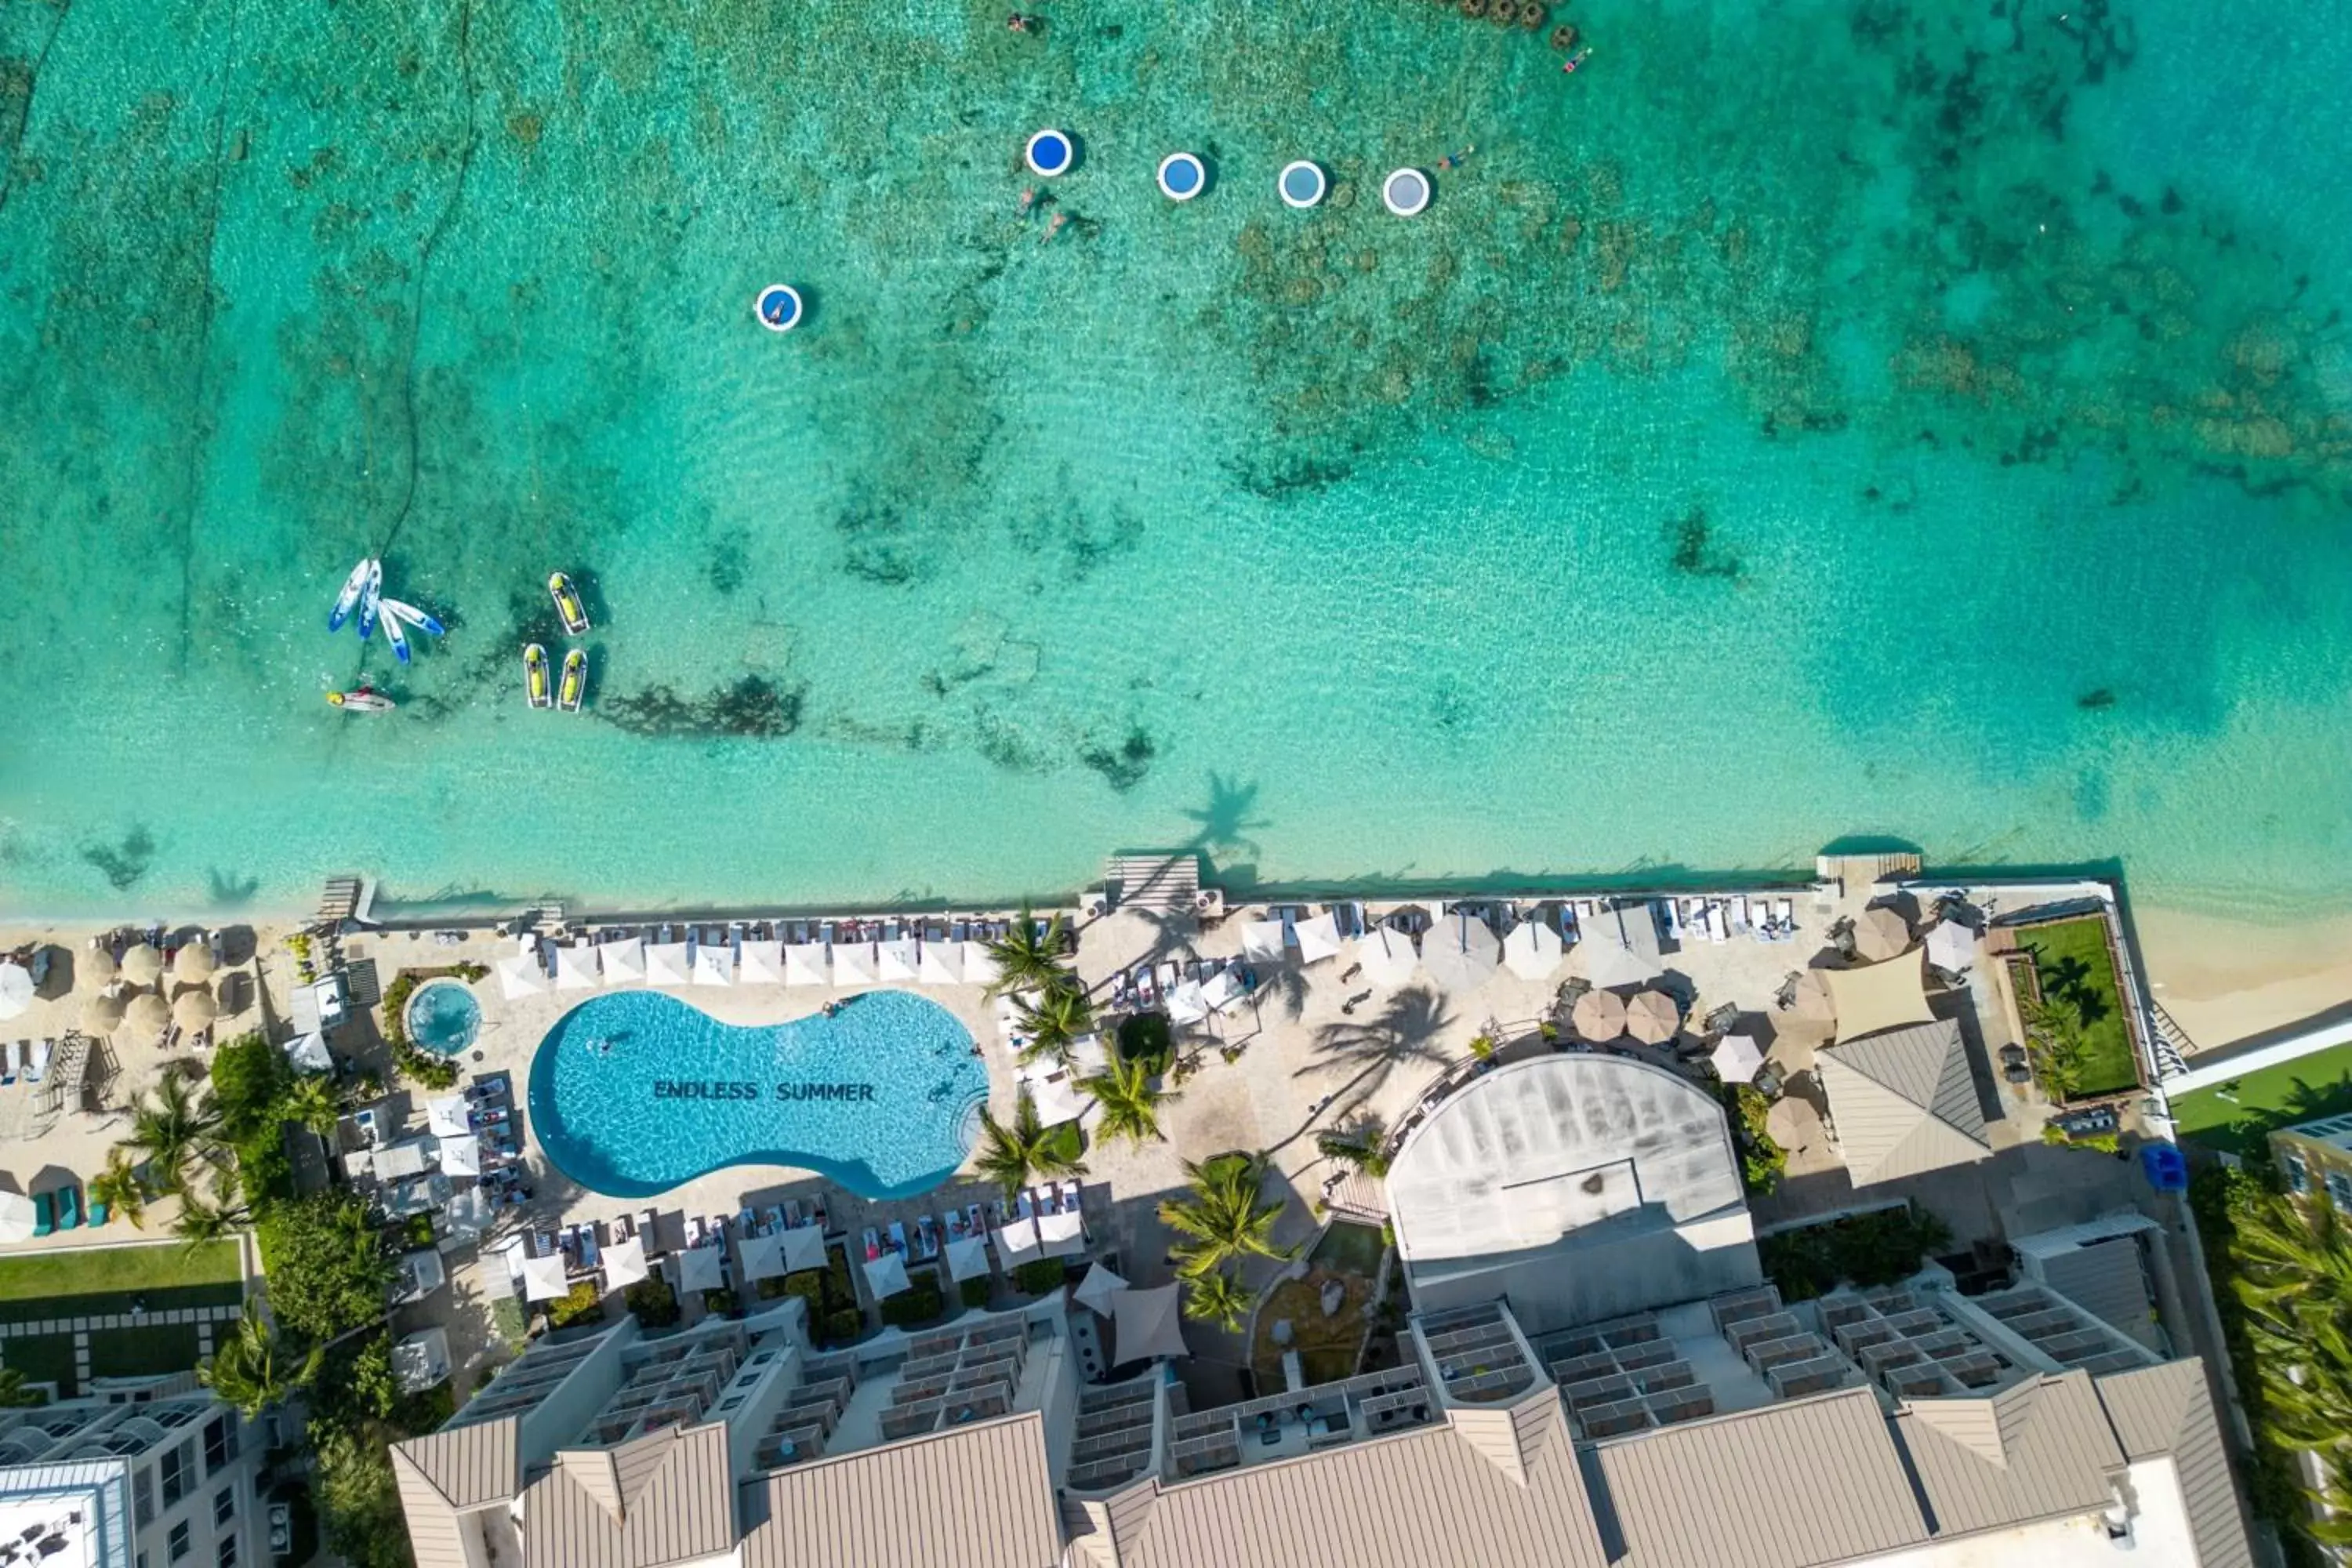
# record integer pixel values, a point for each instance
(1172, 937)
(1225, 824)
(1405, 1031)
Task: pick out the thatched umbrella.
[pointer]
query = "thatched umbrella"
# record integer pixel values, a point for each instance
(142, 965)
(94, 967)
(195, 1010)
(1881, 933)
(1599, 1016)
(101, 1014)
(148, 1014)
(1652, 1017)
(193, 964)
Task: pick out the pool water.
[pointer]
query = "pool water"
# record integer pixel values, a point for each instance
(443, 1017)
(635, 1092)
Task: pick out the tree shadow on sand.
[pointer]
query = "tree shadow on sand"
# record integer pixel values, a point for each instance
(1403, 1032)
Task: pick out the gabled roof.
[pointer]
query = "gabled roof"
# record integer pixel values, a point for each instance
(1904, 1102)
(2168, 1410)
(467, 1465)
(2038, 1449)
(667, 1496)
(979, 1497)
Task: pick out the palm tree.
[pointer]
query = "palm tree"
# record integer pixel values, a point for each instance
(1223, 1216)
(1029, 960)
(200, 1222)
(1129, 1099)
(311, 1102)
(1217, 1298)
(1013, 1156)
(253, 1370)
(2294, 1277)
(1361, 1144)
(1053, 1022)
(13, 1395)
(122, 1189)
(170, 1130)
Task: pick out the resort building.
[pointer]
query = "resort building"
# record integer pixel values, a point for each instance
(2315, 1156)
(143, 1477)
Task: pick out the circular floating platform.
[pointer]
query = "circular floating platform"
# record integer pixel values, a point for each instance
(779, 307)
(1050, 152)
(1303, 184)
(1183, 176)
(1405, 191)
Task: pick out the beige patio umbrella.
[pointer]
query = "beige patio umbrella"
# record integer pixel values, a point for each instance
(142, 965)
(1811, 998)
(1792, 1124)
(1881, 933)
(1599, 1016)
(193, 964)
(101, 1014)
(147, 1015)
(1652, 1017)
(94, 967)
(195, 1010)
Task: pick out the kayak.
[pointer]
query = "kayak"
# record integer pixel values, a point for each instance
(534, 676)
(345, 601)
(364, 700)
(568, 606)
(412, 616)
(372, 600)
(575, 681)
(396, 638)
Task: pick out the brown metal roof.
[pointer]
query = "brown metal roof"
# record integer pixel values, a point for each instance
(665, 1497)
(979, 1497)
(1816, 1480)
(2039, 1449)
(2168, 1410)
(468, 1466)
(1904, 1102)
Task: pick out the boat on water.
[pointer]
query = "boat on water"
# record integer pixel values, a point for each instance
(568, 606)
(354, 588)
(365, 699)
(575, 680)
(534, 676)
(396, 638)
(372, 600)
(410, 614)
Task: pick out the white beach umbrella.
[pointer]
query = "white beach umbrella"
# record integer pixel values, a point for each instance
(941, 962)
(16, 989)
(1061, 1234)
(968, 1258)
(542, 1279)
(460, 1156)
(804, 1248)
(624, 961)
(1460, 951)
(1058, 1100)
(519, 975)
(805, 963)
(577, 968)
(761, 963)
(1951, 947)
(445, 1117)
(625, 1262)
(93, 967)
(142, 965)
(1017, 1243)
(666, 963)
(1186, 1004)
(193, 964)
(895, 960)
(886, 1275)
(699, 1268)
(1262, 940)
(1736, 1059)
(979, 964)
(762, 1256)
(1318, 939)
(1532, 950)
(853, 963)
(1387, 955)
(714, 965)
(17, 1217)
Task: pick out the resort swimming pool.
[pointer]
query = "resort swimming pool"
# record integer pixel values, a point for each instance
(443, 1017)
(635, 1092)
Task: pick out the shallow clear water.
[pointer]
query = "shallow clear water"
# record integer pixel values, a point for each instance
(1810, 419)
(635, 1092)
(443, 1018)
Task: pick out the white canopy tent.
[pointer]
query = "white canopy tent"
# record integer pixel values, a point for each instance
(854, 964)
(886, 1275)
(968, 1258)
(1146, 1324)
(714, 965)
(1058, 1100)
(1387, 955)
(1461, 951)
(1737, 1059)
(309, 1053)
(1223, 991)
(445, 1117)
(1951, 947)
(519, 975)
(896, 960)
(1061, 1234)
(1533, 950)
(16, 989)
(979, 964)
(624, 961)
(625, 1262)
(941, 963)
(460, 1156)
(1017, 1243)
(1099, 1289)
(17, 1218)
(577, 968)
(1318, 939)
(466, 1214)
(1186, 1003)
(666, 963)
(542, 1279)
(1263, 940)
(804, 1248)
(1089, 1058)
(700, 1268)
(762, 1256)
(761, 963)
(805, 963)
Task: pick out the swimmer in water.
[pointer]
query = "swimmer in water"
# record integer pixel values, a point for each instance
(1053, 228)
(1455, 160)
(1028, 200)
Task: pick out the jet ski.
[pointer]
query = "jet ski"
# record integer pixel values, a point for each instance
(353, 587)
(567, 604)
(372, 600)
(412, 616)
(366, 699)
(575, 681)
(396, 638)
(534, 676)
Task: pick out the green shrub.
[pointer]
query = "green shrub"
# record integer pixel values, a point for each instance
(511, 1322)
(582, 1303)
(975, 1292)
(720, 1301)
(419, 1229)
(919, 1303)
(843, 1326)
(1761, 1161)
(653, 1301)
(1482, 1047)
(1039, 1276)
(1144, 1037)
(327, 1264)
(248, 1075)
(1867, 1249)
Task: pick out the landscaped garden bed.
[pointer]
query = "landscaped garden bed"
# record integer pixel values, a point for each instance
(1330, 1348)
(2082, 1037)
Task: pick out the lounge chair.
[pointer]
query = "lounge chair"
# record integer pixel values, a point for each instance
(99, 1213)
(40, 1062)
(693, 1231)
(791, 1213)
(9, 1061)
(45, 1214)
(817, 1215)
(68, 1207)
(873, 1244)
(1070, 1191)
(1785, 912)
(649, 1227)
(926, 1236)
(899, 1238)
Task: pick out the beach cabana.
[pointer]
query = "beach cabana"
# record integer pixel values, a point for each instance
(1187, 1004)
(578, 968)
(886, 1275)
(761, 963)
(940, 963)
(979, 964)
(16, 989)
(1877, 997)
(804, 1248)
(895, 960)
(1533, 951)
(1318, 939)
(445, 1117)
(1736, 1059)
(1088, 1058)
(1460, 951)
(1146, 1325)
(466, 1215)
(1620, 947)
(193, 964)
(968, 1258)
(309, 1053)
(1061, 1234)
(666, 963)
(1016, 1243)
(1264, 941)
(1951, 947)
(854, 964)
(1881, 933)
(195, 1010)
(625, 1262)
(1222, 990)
(93, 968)
(762, 1256)
(459, 1156)
(624, 961)
(1056, 1100)
(1652, 1017)
(1599, 1016)
(805, 963)
(1387, 955)
(100, 1015)
(701, 1269)
(519, 976)
(542, 1279)
(714, 965)
(142, 965)
(1099, 1289)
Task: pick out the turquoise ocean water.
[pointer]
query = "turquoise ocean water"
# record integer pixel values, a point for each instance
(1808, 419)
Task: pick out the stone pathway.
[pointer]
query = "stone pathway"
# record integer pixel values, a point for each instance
(204, 1320)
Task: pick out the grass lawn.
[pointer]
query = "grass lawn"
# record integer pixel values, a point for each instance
(88, 1281)
(2074, 953)
(2238, 1115)
(144, 1353)
(42, 1358)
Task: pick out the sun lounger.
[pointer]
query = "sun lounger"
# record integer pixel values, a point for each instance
(1069, 1196)
(873, 1244)
(649, 1227)
(45, 1214)
(1785, 911)
(693, 1231)
(817, 1212)
(791, 1213)
(9, 1061)
(1025, 1206)
(899, 1238)
(40, 1063)
(68, 1208)
(926, 1236)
